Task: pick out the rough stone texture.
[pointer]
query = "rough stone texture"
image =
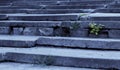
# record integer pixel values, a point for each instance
(65, 57)
(73, 7)
(23, 66)
(79, 33)
(1, 57)
(45, 31)
(98, 36)
(61, 31)
(31, 23)
(44, 17)
(80, 42)
(85, 24)
(17, 41)
(3, 17)
(4, 30)
(17, 31)
(114, 33)
(103, 17)
(30, 31)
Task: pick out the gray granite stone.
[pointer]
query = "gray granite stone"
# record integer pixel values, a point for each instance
(43, 17)
(66, 57)
(4, 30)
(61, 31)
(23, 66)
(80, 42)
(85, 24)
(3, 17)
(2, 56)
(79, 33)
(45, 31)
(17, 31)
(31, 23)
(30, 31)
(114, 33)
(73, 7)
(98, 36)
(17, 41)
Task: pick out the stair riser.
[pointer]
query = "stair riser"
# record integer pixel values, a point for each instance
(107, 11)
(45, 18)
(61, 42)
(42, 11)
(63, 61)
(17, 44)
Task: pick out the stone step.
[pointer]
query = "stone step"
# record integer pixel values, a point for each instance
(23, 66)
(64, 57)
(75, 42)
(70, 42)
(21, 7)
(20, 3)
(102, 17)
(29, 0)
(72, 7)
(17, 41)
(43, 11)
(107, 10)
(52, 7)
(3, 17)
(31, 23)
(5, 4)
(83, 24)
(44, 17)
(83, 2)
(114, 5)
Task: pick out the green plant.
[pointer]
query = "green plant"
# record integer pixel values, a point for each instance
(75, 26)
(95, 28)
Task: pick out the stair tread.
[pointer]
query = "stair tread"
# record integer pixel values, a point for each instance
(17, 41)
(18, 38)
(104, 15)
(75, 53)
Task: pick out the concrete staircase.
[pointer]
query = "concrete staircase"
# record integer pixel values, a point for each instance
(75, 34)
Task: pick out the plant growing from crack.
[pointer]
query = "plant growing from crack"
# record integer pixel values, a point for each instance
(95, 28)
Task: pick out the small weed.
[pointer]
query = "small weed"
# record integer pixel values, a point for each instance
(95, 28)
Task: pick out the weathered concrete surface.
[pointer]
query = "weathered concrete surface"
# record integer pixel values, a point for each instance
(3, 17)
(79, 33)
(45, 31)
(30, 31)
(17, 31)
(31, 23)
(17, 41)
(103, 17)
(64, 57)
(80, 42)
(4, 30)
(21, 66)
(2, 56)
(44, 17)
(114, 33)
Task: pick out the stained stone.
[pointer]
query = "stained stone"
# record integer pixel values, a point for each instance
(30, 31)
(17, 31)
(114, 33)
(45, 31)
(4, 30)
(79, 33)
